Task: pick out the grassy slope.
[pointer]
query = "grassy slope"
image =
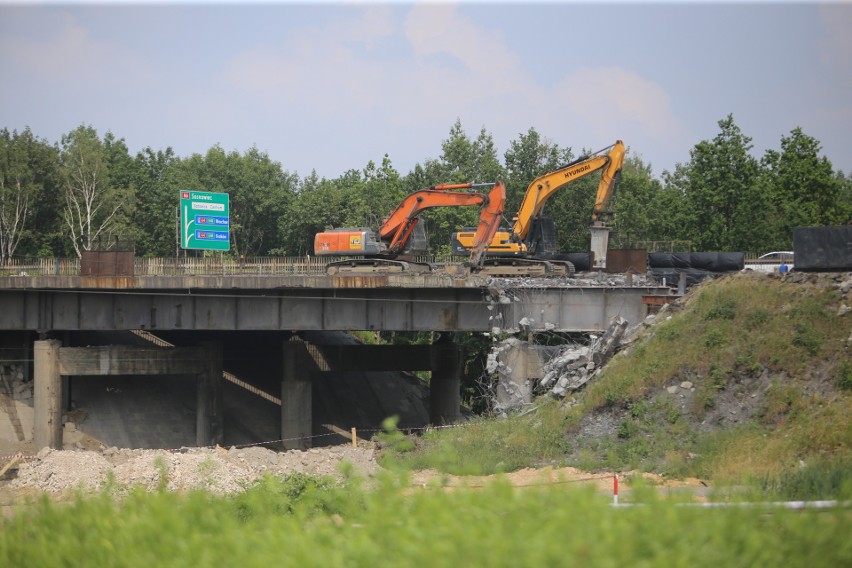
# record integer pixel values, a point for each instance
(772, 398)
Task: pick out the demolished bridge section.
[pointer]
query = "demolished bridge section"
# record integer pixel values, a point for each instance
(210, 304)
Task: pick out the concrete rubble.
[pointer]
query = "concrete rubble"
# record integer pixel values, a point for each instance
(576, 365)
(585, 279)
(525, 370)
(218, 470)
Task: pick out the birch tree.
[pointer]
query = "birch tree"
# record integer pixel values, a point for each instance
(92, 204)
(26, 164)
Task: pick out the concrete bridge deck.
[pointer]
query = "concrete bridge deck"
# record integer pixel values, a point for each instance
(391, 302)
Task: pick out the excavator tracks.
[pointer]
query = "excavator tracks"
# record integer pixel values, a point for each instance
(525, 267)
(374, 266)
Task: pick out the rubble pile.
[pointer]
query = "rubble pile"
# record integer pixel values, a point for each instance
(217, 470)
(579, 280)
(576, 365)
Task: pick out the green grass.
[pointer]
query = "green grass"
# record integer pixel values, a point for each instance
(310, 523)
(736, 326)
(486, 446)
(730, 323)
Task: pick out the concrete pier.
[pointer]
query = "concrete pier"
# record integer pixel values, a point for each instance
(209, 419)
(445, 396)
(296, 398)
(47, 395)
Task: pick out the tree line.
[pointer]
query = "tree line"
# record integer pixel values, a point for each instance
(87, 192)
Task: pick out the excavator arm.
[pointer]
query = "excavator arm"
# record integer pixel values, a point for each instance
(544, 187)
(397, 227)
(609, 182)
(489, 221)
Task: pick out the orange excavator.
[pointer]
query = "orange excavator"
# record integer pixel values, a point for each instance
(384, 250)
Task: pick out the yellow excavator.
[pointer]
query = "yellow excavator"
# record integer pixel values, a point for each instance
(530, 247)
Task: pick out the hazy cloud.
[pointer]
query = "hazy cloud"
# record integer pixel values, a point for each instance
(332, 87)
(610, 99)
(66, 52)
(440, 29)
(441, 67)
(837, 42)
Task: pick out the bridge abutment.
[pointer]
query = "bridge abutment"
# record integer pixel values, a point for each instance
(52, 362)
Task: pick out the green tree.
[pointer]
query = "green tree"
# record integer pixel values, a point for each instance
(527, 158)
(637, 215)
(319, 204)
(803, 186)
(723, 201)
(259, 190)
(93, 203)
(844, 199)
(27, 173)
(371, 194)
(157, 198)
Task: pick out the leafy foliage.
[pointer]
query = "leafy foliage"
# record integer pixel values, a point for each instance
(98, 197)
(723, 198)
(28, 186)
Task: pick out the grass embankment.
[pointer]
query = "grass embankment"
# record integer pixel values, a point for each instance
(303, 522)
(770, 404)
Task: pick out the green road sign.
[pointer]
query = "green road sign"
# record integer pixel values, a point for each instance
(205, 221)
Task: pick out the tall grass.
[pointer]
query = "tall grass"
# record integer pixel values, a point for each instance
(310, 524)
(484, 446)
(733, 323)
(737, 326)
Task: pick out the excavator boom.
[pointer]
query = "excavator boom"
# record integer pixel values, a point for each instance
(489, 221)
(544, 187)
(399, 225)
(609, 182)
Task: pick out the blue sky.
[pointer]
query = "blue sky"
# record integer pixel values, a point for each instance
(331, 86)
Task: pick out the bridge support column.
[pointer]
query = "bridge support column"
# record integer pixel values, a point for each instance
(296, 399)
(445, 398)
(209, 419)
(47, 395)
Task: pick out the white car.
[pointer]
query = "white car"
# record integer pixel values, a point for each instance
(776, 261)
(784, 256)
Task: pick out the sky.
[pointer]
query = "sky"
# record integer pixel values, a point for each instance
(332, 86)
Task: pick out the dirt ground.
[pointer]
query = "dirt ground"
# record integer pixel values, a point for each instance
(560, 476)
(60, 474)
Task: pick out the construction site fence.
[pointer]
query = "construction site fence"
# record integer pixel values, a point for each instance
(160, 266)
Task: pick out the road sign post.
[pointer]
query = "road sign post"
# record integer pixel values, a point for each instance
(205, 222)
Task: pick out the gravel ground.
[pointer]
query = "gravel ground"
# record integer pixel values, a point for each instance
(221, 471)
